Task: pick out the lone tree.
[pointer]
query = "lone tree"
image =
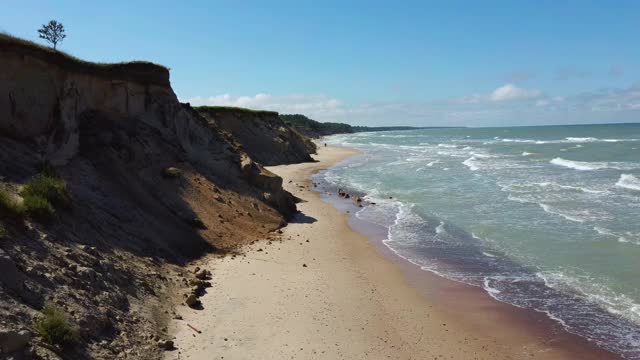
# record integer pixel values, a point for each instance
(53, 32)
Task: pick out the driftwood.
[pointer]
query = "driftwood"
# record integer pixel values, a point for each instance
(194, 329)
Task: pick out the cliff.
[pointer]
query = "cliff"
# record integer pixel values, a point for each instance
(315, 129)
(152, 185)
(262, 134)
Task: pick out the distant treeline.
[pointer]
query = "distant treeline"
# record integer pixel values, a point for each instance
(316, 129)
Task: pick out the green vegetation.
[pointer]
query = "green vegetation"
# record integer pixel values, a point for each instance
(41, 193)
(38, 209)
(52, 32)
(214, 109)
(48, 186)
(308, 143)
(3, 231)
(138, 71)
(172, 172)
(54, 328)
(315, 129)
(9, 207)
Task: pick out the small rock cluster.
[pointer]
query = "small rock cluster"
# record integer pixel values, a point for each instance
(357, 199)
(198, 284)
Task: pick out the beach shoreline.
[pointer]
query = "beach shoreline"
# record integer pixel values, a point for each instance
(330, 289)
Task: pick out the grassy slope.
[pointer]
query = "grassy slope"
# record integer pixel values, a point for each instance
(138, 71)
(214, 109)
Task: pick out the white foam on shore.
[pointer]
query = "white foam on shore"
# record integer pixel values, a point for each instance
(629, 181)
(440, 228)
(487, 287)
(547, 190)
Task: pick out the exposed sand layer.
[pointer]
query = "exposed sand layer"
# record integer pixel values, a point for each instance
(324, 292)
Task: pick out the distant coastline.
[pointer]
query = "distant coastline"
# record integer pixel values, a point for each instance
(315, 129)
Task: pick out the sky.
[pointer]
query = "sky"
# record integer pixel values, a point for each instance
(421, 63)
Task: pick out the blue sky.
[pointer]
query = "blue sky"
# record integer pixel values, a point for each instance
(473, 63)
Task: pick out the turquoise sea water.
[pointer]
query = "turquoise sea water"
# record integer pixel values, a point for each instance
(540, 217)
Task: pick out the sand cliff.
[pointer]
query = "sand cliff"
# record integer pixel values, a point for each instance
(111, 258)
(262, 134)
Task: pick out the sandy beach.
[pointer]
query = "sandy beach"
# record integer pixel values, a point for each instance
(325, 291)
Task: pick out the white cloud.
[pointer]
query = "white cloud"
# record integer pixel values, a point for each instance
(510, 92)
(507, 105)
(289, 104)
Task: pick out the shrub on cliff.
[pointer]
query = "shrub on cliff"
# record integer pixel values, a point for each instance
(47, 185)
(172, 172)
(9, 207)
(54, 328)
(38, 208)
(42, 193)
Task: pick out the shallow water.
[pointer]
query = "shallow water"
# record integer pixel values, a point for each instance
(540, 217)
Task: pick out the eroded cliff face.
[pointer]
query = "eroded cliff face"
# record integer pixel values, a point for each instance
(109, 259)
(47, 105)
(262, 134)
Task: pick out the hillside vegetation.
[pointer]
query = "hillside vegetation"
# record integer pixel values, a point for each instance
(316, 129)
(139, 71)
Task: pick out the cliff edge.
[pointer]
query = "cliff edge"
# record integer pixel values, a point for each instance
(149, 185)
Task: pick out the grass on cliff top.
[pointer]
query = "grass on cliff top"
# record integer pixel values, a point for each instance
(54, 327)
(136, 70)
(210, 109)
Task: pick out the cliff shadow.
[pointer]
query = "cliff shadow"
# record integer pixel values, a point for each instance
(301, 218)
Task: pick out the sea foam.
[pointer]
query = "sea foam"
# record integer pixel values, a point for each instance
(471, 163)
(579, 165)
(629, 181)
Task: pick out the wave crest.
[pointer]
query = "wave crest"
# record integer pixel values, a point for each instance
(629, 181)
(587, 165)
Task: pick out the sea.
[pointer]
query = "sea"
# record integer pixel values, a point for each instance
(545, 218)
